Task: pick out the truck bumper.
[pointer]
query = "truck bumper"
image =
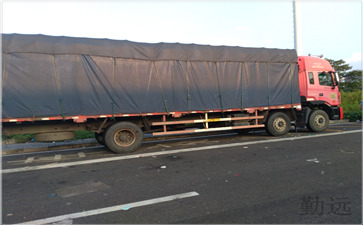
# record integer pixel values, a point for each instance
(341, 114)
(338, 113)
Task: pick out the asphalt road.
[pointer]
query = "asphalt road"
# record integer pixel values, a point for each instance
(300, 178)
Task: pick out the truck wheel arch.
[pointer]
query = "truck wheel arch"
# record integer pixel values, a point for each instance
(322, 105)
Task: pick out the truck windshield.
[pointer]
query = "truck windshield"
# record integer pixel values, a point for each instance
(325, 79)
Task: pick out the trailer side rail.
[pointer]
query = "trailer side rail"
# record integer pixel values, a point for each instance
(206, 122)
(83, 118)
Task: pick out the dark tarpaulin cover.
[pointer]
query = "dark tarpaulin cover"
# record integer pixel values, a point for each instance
(64, 76)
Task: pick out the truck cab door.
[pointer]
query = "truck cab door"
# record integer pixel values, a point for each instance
(312, 91)
(327, 90)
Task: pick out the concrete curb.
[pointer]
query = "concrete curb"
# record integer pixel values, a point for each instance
(338, 121)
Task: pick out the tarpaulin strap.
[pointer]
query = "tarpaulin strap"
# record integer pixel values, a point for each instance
(113, 88)
(188, 99)
(57, 81)
(61, 107)
(112, 110)
(242, 67)
(161, 89)
(219, 89)
(268, 86)
(188, 84)
(4, 69)
(291, 84)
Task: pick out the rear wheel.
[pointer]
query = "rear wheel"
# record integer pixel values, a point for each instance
(123, 137)
(318, 121)
(278, 124)
(100, 138)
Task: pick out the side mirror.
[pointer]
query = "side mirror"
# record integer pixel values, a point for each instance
(336, 76)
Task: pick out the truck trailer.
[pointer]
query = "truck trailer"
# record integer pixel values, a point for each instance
(121, 90)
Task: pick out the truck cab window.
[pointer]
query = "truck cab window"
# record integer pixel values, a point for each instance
(311, 78)
(325, 79)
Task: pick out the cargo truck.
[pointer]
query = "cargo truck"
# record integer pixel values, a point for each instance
(121, 90)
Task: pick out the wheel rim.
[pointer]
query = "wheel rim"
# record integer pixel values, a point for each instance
(319, 121)
(125, 137)
(279, 124)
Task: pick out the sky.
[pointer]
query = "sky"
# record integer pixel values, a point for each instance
(331, 28)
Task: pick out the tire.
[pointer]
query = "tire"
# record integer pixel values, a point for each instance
(278, 124)
(100, 138)
(123, 137)
(318, 121)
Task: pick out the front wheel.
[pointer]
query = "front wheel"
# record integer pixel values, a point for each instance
(123, 137)
(318, 121)
(278, 124)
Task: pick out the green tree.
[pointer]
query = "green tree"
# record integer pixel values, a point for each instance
(352, 81)
(340, 65)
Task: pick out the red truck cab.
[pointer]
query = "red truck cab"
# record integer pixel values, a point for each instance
(318, 83)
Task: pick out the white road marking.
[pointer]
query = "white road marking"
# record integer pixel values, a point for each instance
(64, 222)
(159, 146)
(81, 155)
(29, 160)
(128, 206)
(118, 158)
(57, 157)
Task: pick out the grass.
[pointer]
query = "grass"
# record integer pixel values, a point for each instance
(83, 134)
(351, 105)
(18, 138)
(353, 116)
(25, 138)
